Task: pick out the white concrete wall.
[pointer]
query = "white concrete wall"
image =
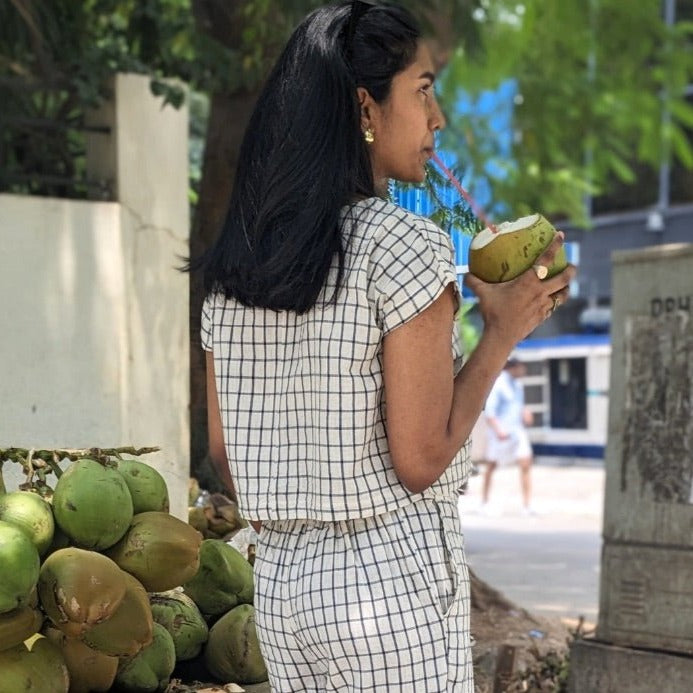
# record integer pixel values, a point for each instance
(94, 312)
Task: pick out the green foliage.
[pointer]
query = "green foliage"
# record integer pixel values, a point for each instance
(594, 79)
(78, 45)
(62, 53)
(56, 59)
(55, 62)
(198, 104)
(458, 216)
(469, 334)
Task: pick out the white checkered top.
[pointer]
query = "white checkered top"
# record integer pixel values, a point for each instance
(302, 396)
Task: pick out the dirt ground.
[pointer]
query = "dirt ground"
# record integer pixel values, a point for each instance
(508, 641)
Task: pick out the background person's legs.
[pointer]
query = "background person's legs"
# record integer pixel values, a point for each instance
(525, 466)
(486, 488)
(525, 459)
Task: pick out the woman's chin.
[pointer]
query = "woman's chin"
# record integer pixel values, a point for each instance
(414, 177)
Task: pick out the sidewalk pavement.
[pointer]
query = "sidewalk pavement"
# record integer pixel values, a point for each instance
(548, 562)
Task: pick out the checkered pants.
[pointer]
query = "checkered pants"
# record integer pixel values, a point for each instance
(379, 604)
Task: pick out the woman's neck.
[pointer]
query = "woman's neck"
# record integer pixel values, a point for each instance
(382, 187)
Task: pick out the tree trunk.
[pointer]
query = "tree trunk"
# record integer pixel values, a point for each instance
(228, 117)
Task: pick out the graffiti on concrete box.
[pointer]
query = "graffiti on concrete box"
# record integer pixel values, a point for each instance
(669, 304)
(658, 414)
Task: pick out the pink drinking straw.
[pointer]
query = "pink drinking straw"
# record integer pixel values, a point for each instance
(475, 208)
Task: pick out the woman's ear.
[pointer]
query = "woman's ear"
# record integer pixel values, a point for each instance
(366, 104)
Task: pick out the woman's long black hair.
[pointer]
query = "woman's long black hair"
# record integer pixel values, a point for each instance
(303, 157)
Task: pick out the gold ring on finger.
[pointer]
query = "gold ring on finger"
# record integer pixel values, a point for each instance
(541, 271)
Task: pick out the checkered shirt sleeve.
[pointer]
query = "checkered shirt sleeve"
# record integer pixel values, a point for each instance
(302, 396)
(409, 271)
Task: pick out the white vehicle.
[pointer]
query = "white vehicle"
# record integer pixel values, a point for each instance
(567, 390)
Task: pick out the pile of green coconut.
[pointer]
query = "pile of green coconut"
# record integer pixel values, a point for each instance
(102, 589)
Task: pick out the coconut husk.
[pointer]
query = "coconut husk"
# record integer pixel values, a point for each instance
(197, 518)
(219, 500)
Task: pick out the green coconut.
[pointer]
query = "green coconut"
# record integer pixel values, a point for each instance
(20, 563)
(503, 254)
(129, 629)
(37, 665)
(150, 669)
(224, 580)
(179, 614)
(90, 671)
(30, 513)
(78, 589)
(147, 487)
(233, 652)
(18, 625)
(92, 504)
(160, 550)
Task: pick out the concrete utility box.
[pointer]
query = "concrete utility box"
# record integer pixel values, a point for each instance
(646, 593)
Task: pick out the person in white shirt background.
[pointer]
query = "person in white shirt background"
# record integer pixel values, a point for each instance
(507, 441)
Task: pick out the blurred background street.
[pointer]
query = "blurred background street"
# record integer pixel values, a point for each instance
(547, 563)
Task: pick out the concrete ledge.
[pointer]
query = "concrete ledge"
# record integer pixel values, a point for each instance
(597, 667)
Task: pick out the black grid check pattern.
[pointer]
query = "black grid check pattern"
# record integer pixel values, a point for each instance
(302, 397)
(380, 604)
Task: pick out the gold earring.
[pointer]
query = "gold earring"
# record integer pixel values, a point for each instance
(369, 136)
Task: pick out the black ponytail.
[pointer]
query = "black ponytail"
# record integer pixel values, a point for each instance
(303, 158)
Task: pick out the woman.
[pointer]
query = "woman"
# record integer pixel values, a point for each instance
(337, 405)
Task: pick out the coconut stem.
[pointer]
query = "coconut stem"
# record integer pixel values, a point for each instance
(472, 203)
(22, 454)
(33, 460)
(37, 464)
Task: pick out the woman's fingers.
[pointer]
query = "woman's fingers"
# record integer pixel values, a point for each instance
(560, 297)
(549, 254)
(546, 259)
(561, 281)
(513, 309)
(473, 283)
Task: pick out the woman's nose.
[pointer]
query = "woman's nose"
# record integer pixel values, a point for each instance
(437, 118)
